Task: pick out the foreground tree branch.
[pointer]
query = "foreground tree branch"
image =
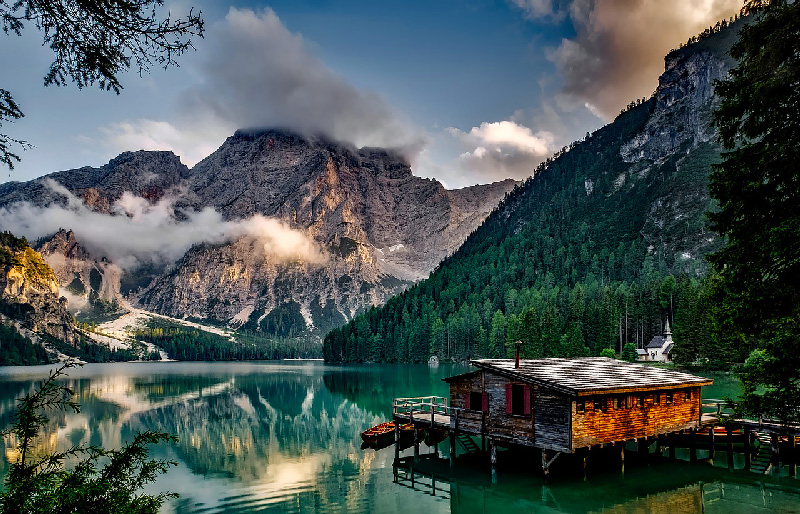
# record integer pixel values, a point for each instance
(102, 480)
(94, 41)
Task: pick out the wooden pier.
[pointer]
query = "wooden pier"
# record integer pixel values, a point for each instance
(571, 406)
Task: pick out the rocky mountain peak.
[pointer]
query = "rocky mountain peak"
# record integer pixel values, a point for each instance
(379, 227)
(684, 99)
(64, 243)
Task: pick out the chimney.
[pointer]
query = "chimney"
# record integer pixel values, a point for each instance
(517, 346)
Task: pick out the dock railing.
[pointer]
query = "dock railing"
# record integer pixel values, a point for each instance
(722, 409)
(725, 410)
(421, 408)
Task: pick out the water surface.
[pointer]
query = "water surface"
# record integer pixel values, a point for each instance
(284, 437)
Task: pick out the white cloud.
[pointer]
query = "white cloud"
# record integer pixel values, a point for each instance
(509, 134)
(255, 73)
(142, 232)
(493, 151)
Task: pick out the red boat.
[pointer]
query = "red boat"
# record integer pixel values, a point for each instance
(384, 432)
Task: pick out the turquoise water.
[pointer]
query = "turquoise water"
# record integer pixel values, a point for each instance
(284, 437)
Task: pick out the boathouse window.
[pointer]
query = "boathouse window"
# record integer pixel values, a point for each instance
(615, 403)
(580, 406)
(687, 395)
(640, 401)
(657, 399)
(518, 399)
(669, 397)
(598, 404)
(477, 401)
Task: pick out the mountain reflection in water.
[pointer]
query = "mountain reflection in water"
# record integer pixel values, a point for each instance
(284, 437)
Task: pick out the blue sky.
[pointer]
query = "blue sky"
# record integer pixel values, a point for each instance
(471, 91)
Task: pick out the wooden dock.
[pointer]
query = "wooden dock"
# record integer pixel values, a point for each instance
(762, 443)
(570, 406)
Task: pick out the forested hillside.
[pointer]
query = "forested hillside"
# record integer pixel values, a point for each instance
(598, 249)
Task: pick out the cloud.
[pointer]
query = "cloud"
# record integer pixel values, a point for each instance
(508, 134)
(255, 73)
(139, 232)
(498, 150)
(617, 53)
(540, 8)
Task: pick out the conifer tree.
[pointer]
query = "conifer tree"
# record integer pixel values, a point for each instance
(758, 186)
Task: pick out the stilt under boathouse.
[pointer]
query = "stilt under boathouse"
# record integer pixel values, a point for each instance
(560, 405)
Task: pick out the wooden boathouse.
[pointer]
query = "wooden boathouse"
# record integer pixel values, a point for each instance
(567, 404)
(561, 405)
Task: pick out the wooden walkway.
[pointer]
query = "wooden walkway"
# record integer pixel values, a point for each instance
(719, 411)
(435, 411)
(424, 411)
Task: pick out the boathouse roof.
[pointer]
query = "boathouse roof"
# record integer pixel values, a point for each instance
(590, 375)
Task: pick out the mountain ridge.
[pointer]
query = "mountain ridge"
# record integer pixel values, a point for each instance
(380, 227)
(603, 244)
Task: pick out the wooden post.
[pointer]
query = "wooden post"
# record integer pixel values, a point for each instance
(452, 437)
(493, 459)
(774, 447)
(483, 431)
(747, 448)
(792, 447)
(584, 457)
(729, 446)
(416, 444)
(433, 484)
(411, 468)
(692, 445)
(711, 449)
(396, 442)
(644, 448)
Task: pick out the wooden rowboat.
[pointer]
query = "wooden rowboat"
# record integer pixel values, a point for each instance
(384, 433)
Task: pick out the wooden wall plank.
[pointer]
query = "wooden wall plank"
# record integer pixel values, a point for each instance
(606, 425)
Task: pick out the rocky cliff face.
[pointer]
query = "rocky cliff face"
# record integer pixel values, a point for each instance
(678, 143)
(684, 100)
(377, 226)
(89, 284)
(29, 290)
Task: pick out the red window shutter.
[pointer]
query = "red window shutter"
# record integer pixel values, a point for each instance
(508, 399)
(466, 401)
(485, 402)
(527, 403)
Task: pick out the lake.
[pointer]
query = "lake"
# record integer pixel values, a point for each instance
(284, 437)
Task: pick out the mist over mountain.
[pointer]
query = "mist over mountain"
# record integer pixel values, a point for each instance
(275, 232)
